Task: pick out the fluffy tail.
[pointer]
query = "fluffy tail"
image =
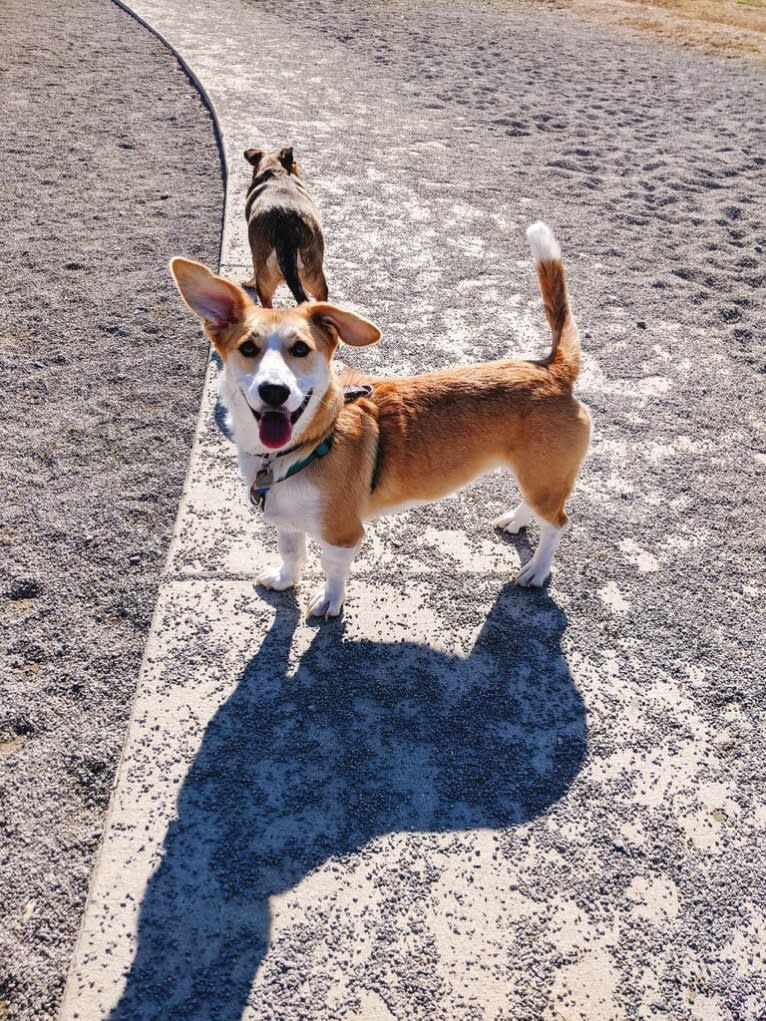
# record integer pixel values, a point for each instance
(287, 260)
(564, 359)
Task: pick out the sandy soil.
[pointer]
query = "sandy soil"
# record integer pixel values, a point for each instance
(735, 28)
(108, 167)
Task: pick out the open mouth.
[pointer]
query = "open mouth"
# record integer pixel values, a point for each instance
(275, 426)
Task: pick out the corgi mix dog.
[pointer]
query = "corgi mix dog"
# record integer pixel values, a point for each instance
(283, 228)
(321, 465)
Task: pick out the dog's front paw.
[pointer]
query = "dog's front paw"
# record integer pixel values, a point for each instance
(326, 603)
(532, 575)
(278, 578)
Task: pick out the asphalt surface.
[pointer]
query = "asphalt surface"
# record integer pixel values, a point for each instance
(466, 800)
(108, 166)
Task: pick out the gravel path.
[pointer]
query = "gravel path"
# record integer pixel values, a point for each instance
(108, 166)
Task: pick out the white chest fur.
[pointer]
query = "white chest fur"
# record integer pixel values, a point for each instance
(294, 503)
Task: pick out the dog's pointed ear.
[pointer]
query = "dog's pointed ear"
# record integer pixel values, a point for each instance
(253, 156)
(219, 303)
(350, 327)
(286, 157)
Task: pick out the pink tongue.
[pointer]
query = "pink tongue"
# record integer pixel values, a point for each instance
(275, 428)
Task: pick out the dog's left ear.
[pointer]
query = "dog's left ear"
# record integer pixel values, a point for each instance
(253, 156)
(286, 157)
(219, 303)
(351, 328)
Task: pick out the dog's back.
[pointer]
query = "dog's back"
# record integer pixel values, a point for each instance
(284, 228)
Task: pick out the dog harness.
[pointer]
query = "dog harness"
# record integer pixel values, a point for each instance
(264, 480)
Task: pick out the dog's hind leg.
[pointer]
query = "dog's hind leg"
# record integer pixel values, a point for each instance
(543, 498)
(546, 467)
(287, 259)
(537, 569)
(253, 281)
(513, 521)
(318, 286)
(313, 275)
(265, 296)
(267, 279)
(545, 488)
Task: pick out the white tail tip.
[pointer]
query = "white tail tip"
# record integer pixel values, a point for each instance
(542, 242)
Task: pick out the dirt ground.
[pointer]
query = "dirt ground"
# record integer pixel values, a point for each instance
(108, 166)
(735, 28)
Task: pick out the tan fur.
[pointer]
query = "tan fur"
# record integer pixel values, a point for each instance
(431, 434)
(438, 431)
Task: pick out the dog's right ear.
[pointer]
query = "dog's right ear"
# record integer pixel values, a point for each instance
(254, 156)
(350, 327)
(219, 303)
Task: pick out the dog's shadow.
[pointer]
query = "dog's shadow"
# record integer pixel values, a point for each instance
(364, 738)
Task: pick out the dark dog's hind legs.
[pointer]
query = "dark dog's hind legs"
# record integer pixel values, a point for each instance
(287, 260)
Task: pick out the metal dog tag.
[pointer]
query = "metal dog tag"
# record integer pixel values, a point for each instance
(264, 479)
(258, 497)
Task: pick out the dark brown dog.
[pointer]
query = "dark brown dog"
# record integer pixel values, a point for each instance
(283, 228)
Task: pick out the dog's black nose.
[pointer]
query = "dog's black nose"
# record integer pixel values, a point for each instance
(274, 394)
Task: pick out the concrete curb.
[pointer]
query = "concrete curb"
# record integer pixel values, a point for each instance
(66, 1007)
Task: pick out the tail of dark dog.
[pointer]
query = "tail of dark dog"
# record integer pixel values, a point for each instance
(287, 259)
(564, 359)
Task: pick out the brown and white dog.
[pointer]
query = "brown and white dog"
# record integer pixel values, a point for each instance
(283, 228)
(322, 467)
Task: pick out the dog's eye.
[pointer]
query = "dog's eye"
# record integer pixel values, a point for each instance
(299, 349)
(248, 349)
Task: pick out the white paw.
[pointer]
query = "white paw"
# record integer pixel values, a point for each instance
(325, 602)
(532, 574)
(278, 578)
(513, 521)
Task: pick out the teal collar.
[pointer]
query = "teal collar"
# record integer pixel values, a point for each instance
(264, 480)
